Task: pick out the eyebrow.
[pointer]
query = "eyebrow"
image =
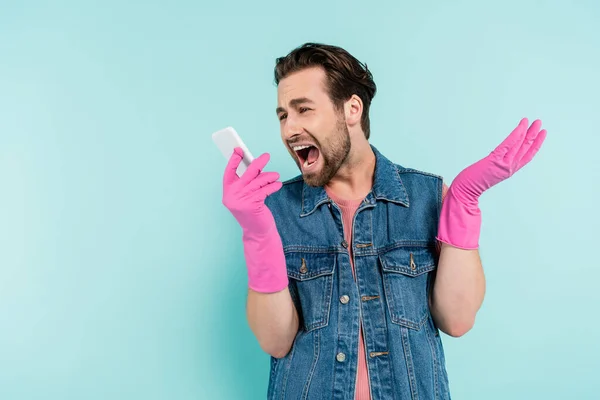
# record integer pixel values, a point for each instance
(295, 103)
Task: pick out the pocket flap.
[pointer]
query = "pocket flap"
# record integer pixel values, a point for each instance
(302, 266)
(411, 261)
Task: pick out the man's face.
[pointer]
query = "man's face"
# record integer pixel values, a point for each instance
(313, 131)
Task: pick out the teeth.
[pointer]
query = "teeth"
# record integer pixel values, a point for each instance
(298, 148)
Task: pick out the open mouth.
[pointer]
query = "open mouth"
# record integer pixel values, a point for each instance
(307, 154)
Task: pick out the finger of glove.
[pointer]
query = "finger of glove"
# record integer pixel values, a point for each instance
(262, 180)
(513, 142)
(535, 147)
(230, 175)
(530, 137)
(268, 190)
(516, 136)
(255, 168)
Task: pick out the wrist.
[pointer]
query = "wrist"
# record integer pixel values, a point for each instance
(460, 219)
(265, 261)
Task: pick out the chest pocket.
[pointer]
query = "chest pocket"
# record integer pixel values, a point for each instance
(405, 280)
(312, 277)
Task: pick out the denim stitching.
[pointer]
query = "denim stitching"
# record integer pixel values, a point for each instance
(435, 363)
(313, 366)
(287, 371)
(409, 364)
(391, 300)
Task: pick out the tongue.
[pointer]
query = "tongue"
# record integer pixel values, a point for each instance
(313, 154)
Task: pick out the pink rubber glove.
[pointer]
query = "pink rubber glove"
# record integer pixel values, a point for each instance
(460, 218)
(245, 199)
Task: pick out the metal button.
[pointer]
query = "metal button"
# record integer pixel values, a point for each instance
(303, 268)
(341, 357)
(344, 244)
(344, 299)
(378, 353)
(413, 266)
(369, 298)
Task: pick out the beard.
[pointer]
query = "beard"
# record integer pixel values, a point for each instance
(334, 151)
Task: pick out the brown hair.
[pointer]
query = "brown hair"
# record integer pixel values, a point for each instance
(345, 74)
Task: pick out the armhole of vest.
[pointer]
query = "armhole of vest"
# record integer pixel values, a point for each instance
(440, 200)
(440, 196)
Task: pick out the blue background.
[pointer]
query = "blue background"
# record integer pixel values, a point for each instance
(121, 273)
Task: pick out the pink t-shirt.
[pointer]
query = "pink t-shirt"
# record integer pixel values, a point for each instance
(348, 208)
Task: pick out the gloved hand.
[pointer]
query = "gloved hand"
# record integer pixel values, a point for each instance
(460, 218)
(244, 197)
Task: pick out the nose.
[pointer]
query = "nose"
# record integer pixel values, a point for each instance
(291, 128)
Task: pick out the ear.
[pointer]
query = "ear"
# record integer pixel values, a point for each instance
(353, 109)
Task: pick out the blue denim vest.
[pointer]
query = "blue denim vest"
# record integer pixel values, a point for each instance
(395, 256)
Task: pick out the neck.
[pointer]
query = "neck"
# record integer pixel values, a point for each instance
(354, 179)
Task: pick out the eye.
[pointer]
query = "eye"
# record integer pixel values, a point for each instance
(282, 117)
(303, 109)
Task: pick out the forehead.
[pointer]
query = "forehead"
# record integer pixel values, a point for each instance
(309, 83)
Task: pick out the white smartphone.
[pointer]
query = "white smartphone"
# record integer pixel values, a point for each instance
(226, 140)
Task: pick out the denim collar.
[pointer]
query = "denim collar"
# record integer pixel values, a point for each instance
(387, 185)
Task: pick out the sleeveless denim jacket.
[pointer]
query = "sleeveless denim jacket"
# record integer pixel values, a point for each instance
(394, 250)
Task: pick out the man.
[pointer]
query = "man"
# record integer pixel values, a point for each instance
(356, 264)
